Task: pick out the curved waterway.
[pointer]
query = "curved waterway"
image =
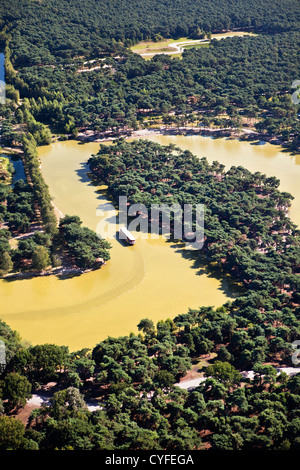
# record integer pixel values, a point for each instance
(154, 279)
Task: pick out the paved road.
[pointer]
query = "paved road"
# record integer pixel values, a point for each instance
(191, 384)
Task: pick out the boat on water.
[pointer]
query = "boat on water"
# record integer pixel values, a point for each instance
(124, 234)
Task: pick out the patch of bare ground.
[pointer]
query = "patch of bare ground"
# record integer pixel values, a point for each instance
(36, 401)
(196, 369)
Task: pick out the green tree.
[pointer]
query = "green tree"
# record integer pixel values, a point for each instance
(11, 433)
(66, 403)
(47, 360)
(18, 222)
(84, 367)
(40, 258)
(16, 388)
(224, 372)
(223, 354)
(147, 326)
(164, 379)
(6, 263)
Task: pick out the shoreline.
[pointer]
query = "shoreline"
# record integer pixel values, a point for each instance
(63, 271)
(244, 134)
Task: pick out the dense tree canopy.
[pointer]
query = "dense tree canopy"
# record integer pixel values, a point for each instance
(238, 78)
(247, 231)
(69, 28)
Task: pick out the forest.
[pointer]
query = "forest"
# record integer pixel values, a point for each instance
(93, 81)
(69, 28)
(222, 86)
(68, 69)
(132, 378)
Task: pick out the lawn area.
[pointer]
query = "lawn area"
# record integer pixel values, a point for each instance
(174, 47)
(190, 46)
(144, 46)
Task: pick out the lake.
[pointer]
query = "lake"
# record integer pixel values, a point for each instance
(153, 279)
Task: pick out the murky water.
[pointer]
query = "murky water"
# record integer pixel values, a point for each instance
(267, 158)
(154, 278)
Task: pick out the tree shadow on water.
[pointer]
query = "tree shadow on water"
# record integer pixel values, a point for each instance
(199, 262)
(68, 275)
(84, 174)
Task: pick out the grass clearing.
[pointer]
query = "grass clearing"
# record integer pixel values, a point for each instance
(174, 47)
(197, 46)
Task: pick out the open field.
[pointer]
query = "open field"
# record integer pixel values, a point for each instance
(175, 47)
